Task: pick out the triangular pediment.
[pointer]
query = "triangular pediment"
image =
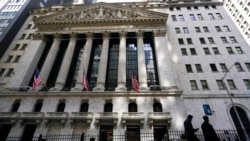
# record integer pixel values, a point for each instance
(101, 14)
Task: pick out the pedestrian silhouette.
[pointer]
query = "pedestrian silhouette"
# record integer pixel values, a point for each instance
(208, 130)
(189, 130)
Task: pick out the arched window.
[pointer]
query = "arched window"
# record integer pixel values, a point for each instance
(84, 107)
(16, 105)
(60, 107)
(157, 107)
(132, 107)
(243, 118)
(38, 106)
(108, 107)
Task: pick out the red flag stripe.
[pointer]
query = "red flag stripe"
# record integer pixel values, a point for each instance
(135, 84)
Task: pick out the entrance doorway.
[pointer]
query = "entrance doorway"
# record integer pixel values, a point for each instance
(244, 119)
(28, 132)
(106, 133)
(159, 132)
(133, 133)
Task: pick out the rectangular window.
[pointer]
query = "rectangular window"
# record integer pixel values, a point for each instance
(206, 51)
(196, 7)
(193, 52)
(2, 72)
(28, 26)
(248, 66)
(181, 41)
(224, 40)
(183, 51)
(192, 17)
(17, 58)
(22, 36)
(185, 30)
(205, 28)
(189, 41)
(239, 50)
(233, 40)
(10, 71)
(223, 67)
(231, 84)
(174, 18)
(189, 68)
(211, 40)
(247, 83)
(218, 16)
(181, 17)
(24, 46)
(202, 41)
(193, 85)
(213, 68)
(206, 7)
(216, 50)
(218, 29)
(220, 85)
(9, 59)
(204, 85)
(211, 16)
(197, 29)
(16, 47)
(229, 50)
(198, 68)
(226, 28)
(29, 36)
(177, 30)
(239, 67)
(200, 17)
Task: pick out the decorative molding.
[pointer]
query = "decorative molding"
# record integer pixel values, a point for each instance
(38, 36)
(139, 34)
(122, 34)
(159, 33)
(106, 34)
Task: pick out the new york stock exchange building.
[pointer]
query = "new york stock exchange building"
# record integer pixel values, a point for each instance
(187, 56)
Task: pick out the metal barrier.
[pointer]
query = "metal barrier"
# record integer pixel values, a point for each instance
(224, 135)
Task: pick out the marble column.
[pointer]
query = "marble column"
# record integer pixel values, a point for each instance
(122, 63)
(83, 68)
(142, 72)
(24, 70)
(163, 59)
(103, 63)
(48, 63)
(64, 69)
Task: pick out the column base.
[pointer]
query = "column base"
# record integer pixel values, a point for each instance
(121, 89)
(98, 89)
(169, 88)
(58, 87)
(76, 89)
(55, 89)
(144, 88)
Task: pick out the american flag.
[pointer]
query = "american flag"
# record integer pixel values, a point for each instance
(85, 83)
(37, 79)
(135, 84)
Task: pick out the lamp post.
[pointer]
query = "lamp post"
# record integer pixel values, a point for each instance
(231, 100)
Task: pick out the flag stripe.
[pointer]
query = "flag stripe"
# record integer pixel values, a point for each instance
(85, 83)
(135, 84)
(37, 80)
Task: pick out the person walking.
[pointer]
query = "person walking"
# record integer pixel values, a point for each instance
(208, 130)
(189, 130)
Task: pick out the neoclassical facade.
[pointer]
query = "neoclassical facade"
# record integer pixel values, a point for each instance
(166, 45)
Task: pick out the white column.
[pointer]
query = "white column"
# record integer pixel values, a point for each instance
(84, 62)
(64, 69)
(142, 72)
(122, 63)
(102, 70)
(25, 68)
(163, 59)
(48, 63)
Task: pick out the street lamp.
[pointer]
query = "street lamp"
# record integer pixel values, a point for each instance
(230, 97)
